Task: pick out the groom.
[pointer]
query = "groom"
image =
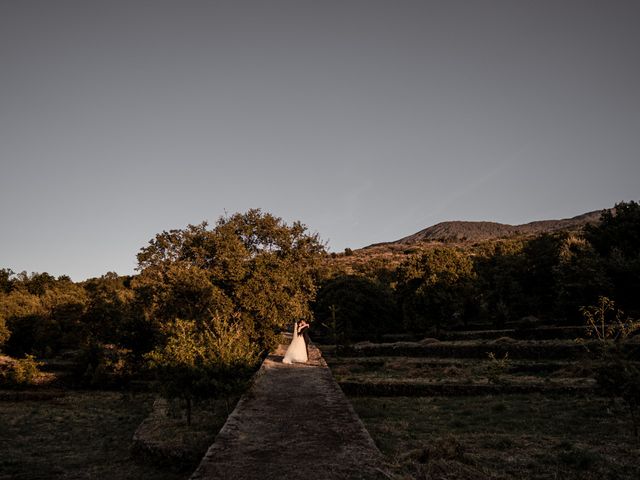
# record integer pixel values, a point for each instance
(304, 328)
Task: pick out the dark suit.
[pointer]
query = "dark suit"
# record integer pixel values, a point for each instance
(305, 335)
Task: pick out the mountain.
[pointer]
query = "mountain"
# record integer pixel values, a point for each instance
(459, 231)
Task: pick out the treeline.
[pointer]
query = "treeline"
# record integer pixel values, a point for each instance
(545, 279)
(209, 301)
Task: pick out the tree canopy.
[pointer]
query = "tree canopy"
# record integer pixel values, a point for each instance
(252, 266)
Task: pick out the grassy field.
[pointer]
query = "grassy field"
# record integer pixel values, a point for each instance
(538, 436)
(454, 371)
(503, 437)
(85, 434)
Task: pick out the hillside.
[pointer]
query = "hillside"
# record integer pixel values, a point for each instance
(384, 256)
(459, 231)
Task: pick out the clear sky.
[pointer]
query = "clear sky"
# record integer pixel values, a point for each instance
(366, 120)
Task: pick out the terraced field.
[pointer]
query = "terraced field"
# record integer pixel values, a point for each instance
(489, 408)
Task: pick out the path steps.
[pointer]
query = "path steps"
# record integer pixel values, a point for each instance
(293, 423)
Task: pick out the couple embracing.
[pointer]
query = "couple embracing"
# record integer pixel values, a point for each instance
(298, 350)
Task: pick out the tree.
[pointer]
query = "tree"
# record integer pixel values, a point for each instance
(107, 318)
(581, 277)
(435, 288)
(617, 240)
(541, 256)
(252, 265)
(42, 314)
(616, 372)
(202, 360)
(6, 280)
(618, 229)
(362, 307)
(4, 332)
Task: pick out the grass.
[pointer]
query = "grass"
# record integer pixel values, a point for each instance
(503, 437)
(458, 371)
(539, 436)
(165, 437)
(85, 434)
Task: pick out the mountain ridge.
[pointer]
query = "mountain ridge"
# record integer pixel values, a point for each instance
(473, 231)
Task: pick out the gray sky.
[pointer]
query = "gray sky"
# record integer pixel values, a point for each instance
(366, 120)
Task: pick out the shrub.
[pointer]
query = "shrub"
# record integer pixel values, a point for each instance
(616, 373)
(105, 365)
(19, 372)
(203, 360)
(4, 331)
(497, 367)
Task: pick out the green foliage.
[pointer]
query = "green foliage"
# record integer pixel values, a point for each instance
(105, 365)
(608, 324)
(4, 332)
(43, 315)
(580, 277)
(617, 240)
(201, 360)
(363, 308)
(435, 288)
(6, 280)
(616, 371)
(500, 267)
(618, 230)
(496, 367)
(108, 315)
(23, 314)
(250, 264)
(19, 372)
(541, 256)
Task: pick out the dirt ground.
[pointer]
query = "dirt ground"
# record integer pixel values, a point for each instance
(294, 423)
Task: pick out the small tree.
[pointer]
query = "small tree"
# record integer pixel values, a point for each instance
(608, 325)
(203, 360)
(616, 373)
(19, 372)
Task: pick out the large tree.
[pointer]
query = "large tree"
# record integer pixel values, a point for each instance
(617, 240)
(252, 266)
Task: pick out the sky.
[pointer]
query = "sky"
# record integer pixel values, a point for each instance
(366, 120)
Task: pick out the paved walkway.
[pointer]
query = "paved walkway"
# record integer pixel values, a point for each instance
(293, 423)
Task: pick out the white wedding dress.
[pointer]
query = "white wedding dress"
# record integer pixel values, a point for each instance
(297, 351)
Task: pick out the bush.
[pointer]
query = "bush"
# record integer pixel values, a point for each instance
(4, 332)
(361, 308)
(105, 365)
(199, 361)
(19, 372)
(616, 372)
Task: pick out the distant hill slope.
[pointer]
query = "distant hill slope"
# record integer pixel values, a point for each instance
(458, 231)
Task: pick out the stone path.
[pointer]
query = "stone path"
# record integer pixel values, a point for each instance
(293, 423)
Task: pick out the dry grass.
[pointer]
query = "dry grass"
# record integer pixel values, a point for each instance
(79, 436)
(165, 438)
(538, 436)
(502, 437)
(458, 371)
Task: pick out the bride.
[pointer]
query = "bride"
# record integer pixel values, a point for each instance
(297, 351)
